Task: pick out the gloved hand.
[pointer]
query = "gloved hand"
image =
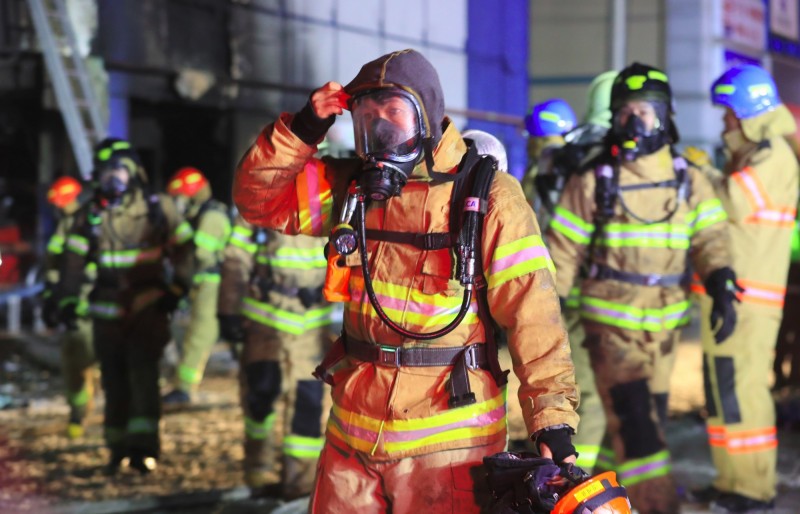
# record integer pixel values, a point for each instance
(558, 441)
(230, 327)
(170, 299)
(721, 286)
(68, 315)
(312, 122)
(310, 297)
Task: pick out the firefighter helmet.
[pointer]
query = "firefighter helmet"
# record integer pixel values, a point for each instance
(186, 181)
(746, 89)
(552, 117)
(63, 192)
(600, 494)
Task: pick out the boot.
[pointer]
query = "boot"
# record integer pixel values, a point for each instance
(142, 462)
(175, 400)
(655, 496)
(704, 495)
(119, 458)
(297, 477)
(732, 503)
(259, 469)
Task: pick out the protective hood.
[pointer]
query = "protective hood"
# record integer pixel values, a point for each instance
(408, 70)
(774, 123)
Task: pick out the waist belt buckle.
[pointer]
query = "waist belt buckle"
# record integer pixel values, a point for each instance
(594, 271)
(471, 357)
(389, 356)
(651, 280)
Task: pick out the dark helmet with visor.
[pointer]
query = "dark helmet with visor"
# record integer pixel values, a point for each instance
(111, 156)
(629, 132)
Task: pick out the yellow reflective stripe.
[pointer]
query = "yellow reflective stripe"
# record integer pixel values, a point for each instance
(183, 233)
(129, 258)
(78, 244)
(408, 305)
(189, 375)
(295, 258)
(315, 199)
(208, 242)
(635, 318)
(572, 226)
(259, 429)
(55, 245)
(302, 447)
(286, 321)
(210, 277)
(725, 89)
(519, 258)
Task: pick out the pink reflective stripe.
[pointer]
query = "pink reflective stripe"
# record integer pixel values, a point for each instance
(314, 203)
(481, 420)
(523, 255)
(741, 442)
(352, 430)
(778, 216)
(360, 296)
(763, 293)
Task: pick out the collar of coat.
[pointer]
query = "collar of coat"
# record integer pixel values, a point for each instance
(447, 154)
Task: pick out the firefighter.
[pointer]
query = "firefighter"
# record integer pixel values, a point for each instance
(418, 394)
(546, 125)
(271, 299)
(759, 193)
(77, 354)
(630, 224)
(211, 228)
(128, 234)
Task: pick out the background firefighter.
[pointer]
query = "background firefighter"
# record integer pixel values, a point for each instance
(759, 192)
(635, 219)
(211, 229)
(128, 234)
(77, 354)
(406, 432)
(271, 299)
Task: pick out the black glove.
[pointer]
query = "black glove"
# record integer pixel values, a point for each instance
(559, 440)
(309, 297)
(68, 315)
(721, 286)
(230, 327)
(170, 299)
(309, 127)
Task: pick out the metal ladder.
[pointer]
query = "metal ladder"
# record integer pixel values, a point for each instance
(73, 88)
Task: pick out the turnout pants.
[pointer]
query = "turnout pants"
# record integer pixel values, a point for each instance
(440, 482)
(741, 423)
(201, 335)
(632, 371)
(77, 366)
(592, 428)
(129, 351)
(276, 383)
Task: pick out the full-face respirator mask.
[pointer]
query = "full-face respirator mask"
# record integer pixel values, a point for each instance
(389, 132)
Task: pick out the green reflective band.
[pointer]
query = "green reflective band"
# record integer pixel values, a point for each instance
(189, 375)
(284, 320)
(630, 145)
(244, 245)
(587, 455)
(183, 232)
(796, 243)
(142, 425)
(120, 145)
(104, 154)
(302, 447)
(550, 116)
(606, 460)
(657, 75)
(636, 471)
(68, 300)
(707, 213)
(78, 399)
(82, 309)
(208, 242)
(635, 318)
(571, 226)
(56, 244)
(259, 429)
(724, 89)
(113, 435)
(78, 244)
(212, 278)
(635, 82)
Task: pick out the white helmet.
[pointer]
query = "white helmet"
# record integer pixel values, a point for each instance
(487, 144)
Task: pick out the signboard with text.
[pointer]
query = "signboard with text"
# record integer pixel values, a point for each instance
(783, 19)
(744, 23)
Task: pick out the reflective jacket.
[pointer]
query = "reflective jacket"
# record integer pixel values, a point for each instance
(393, 412)
(52, 264)
(211, 229)
(129, 245)
(760, 193)
(264, 274)
(696, 234)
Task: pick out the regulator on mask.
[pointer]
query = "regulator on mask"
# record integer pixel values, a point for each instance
(388, 137)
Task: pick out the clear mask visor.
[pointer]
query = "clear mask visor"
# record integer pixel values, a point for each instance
(387, 125)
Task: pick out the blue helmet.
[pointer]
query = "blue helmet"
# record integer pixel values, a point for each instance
(746, 89)
(552, 117)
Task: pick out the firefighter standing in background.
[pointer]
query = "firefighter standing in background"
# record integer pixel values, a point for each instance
(128, 234)
(635, 219)
(546, 125)
(211, 228)
(77, 354)
(415, 405)
(271, 298)
(759, 194)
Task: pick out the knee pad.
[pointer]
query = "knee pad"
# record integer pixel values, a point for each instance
(726, 387)
(308, 409)
(633, 404)
(263, 388)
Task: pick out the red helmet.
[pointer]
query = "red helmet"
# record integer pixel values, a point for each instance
(63, 192)
(186, 181)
